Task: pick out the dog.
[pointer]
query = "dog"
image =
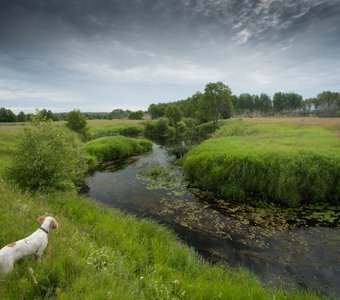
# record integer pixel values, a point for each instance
(34, 244)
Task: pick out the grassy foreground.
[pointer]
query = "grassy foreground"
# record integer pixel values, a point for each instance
(101, 253)
(278, 161)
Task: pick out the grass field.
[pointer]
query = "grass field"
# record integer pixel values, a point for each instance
(9, 140)
(101, 253)
(99, 128)
(288, 162)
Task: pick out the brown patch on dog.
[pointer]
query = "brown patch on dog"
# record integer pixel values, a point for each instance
(12, 245)
(54, 224)
(41, 219)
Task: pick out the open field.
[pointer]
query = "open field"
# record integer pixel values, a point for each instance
(297, 121)
(99, 128)
(289, 162)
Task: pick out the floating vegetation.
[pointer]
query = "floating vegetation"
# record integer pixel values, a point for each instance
(167, 178)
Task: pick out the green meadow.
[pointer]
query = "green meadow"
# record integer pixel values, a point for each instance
(278, 161)
(101, 253)
(100, 128)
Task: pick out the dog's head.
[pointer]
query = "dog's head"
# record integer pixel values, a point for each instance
(52, 221)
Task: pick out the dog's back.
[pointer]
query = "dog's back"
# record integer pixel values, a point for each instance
(34, 244)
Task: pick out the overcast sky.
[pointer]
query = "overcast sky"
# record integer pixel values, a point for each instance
(100, 55)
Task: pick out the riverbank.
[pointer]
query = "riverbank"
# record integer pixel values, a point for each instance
(100, 253)
(280, 162)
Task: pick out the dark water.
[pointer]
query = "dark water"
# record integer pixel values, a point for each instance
(261, 240)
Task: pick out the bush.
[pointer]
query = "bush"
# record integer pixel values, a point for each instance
(48, 157)
(131, 131)
(204, 130)
(159, 129)
(76, 121)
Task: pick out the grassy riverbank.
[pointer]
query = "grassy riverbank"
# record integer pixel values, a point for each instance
(115, 147)
(101, 253)
(278, 161)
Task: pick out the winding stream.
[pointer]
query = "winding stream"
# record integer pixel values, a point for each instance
(263, 240)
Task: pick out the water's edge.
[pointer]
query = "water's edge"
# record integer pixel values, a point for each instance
(277, 253)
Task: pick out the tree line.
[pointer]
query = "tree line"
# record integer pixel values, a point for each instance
(7, 115)
(204, 106)
(216, 101)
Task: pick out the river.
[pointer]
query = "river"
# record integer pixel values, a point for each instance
(265, 240)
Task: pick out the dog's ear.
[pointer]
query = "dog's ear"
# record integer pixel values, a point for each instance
(41, 219)
(54, 224)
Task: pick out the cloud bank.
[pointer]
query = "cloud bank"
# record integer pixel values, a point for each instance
(99, 55)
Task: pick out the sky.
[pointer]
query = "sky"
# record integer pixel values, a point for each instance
(99, 55)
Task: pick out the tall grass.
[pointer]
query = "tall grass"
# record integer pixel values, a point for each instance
(100, 253)
(115, 147)
(283, 163)
(9, 141)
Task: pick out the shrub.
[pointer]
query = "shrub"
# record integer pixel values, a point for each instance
(204, 130)
(48, 157)
(131, 131)
(76, 121)
(159, 129)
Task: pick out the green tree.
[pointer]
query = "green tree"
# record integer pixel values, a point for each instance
(293, 102)
(173, 113)
(76, 121)
(120, 113)
(21, 117)
(48, 157)
(45, 114)
(6, 115)
(216, 102)
(245, 104)
(263, 104)
(279, 102)
(136, 115)
(157, 110)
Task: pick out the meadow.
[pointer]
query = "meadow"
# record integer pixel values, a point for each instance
(101, 253)
(291, 162)
(100, 128)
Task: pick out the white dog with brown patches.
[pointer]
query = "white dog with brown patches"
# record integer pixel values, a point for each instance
(34, 244)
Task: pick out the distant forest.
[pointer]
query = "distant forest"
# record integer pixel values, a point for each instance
(216, 101)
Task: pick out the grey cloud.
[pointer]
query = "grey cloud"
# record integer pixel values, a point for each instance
(129, 51)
